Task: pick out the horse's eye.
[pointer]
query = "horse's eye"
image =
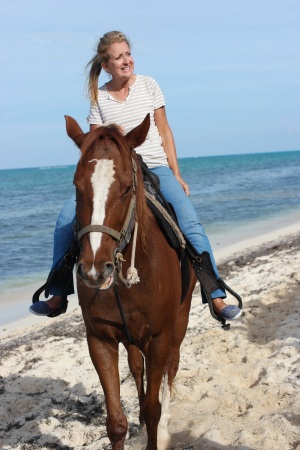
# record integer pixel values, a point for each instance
(127, 190)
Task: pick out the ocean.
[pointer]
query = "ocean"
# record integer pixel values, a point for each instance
(232, 195)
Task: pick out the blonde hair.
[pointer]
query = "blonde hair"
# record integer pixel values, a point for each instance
(102, 57)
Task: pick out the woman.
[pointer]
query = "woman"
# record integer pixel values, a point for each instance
(125, 100)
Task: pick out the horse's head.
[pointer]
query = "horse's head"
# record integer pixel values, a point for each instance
(105, 181)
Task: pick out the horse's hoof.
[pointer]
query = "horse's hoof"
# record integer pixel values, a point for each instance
(163, 445)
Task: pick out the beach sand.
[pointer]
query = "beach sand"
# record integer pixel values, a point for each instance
(236, 389)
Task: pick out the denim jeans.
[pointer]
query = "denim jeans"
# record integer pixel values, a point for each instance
(63, 238)
(174, 194)
(186, 216)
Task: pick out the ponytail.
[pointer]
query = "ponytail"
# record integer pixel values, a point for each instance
(94, 74)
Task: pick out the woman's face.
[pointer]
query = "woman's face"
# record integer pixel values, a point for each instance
(121, 63)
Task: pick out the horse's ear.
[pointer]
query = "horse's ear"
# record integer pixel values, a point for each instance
(136, 137)
(74, 131)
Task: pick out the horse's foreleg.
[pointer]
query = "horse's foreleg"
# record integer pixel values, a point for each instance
(105, 359)
(156, 359)
(178, 335)
(136, 366)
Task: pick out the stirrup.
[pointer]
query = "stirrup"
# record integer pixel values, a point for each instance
(61, 309)
(63, 302)
(225, 326)
(205, 273)
(63, 278)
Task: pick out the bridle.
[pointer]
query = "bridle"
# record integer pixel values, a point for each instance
(122, 237)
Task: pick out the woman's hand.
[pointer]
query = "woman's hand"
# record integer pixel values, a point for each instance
(168, 144)
(184, 185)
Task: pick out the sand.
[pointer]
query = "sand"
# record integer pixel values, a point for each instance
(236, 389)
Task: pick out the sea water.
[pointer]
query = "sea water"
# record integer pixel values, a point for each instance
(231, 194)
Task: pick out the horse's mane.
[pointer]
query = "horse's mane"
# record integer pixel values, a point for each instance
(113, 133)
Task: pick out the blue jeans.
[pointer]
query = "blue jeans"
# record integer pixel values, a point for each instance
(174, 194)
(63, 238)
(186, 216)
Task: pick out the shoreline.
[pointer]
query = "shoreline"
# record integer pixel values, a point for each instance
(250, 243)
(19, 318)
(253, 234)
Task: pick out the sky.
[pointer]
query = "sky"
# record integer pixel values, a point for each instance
(229, 71)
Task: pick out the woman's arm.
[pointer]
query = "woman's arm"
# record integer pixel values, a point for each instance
(168, 143)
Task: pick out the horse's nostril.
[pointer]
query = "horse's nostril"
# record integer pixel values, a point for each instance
(80, 269)
(101, 273)
(109, 268)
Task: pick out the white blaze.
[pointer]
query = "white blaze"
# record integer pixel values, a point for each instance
(101, 179)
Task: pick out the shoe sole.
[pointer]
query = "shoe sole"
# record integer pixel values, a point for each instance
(235, 317)
(37, 314)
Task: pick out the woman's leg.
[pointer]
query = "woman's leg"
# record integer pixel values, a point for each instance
(186, 216)
(194, 231)
(63, 237)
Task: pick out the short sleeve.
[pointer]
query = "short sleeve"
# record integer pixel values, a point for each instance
(94, 117)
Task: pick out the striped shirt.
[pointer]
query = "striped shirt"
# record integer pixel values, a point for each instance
(145, 96)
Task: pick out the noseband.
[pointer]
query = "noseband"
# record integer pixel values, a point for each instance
(122, 237)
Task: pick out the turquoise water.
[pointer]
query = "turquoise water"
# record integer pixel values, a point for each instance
(228, 192)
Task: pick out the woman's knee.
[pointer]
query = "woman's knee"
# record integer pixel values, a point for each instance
(67, 215)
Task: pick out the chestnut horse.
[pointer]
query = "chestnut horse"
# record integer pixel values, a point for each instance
(151, 322)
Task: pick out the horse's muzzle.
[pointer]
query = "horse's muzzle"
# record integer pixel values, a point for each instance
(95, 279)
